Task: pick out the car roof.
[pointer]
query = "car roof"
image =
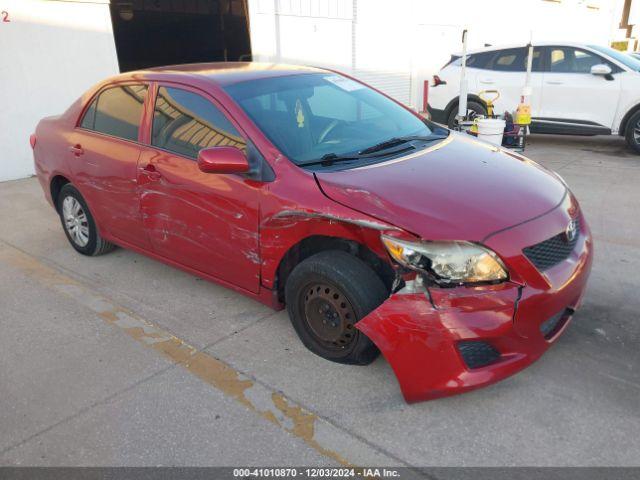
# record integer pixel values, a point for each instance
(221, 73)
(492, 48)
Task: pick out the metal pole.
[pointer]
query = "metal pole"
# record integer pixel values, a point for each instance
(276, 8)
(527, 82)
(354, 21)
(462, 101)
(526, 91)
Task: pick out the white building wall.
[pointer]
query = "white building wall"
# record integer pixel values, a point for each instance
(396, 45)
(634, 19)
(52, 51)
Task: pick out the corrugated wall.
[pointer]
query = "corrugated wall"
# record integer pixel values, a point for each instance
(395, 45)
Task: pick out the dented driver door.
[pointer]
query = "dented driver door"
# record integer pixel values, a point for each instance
(207, 222)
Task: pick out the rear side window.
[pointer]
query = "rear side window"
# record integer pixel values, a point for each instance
(185, 123)
(117, 111)
(511, 60)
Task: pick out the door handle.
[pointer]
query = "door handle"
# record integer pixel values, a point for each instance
(554, 82)
(76, 150)
(150, 171)
(488, 81)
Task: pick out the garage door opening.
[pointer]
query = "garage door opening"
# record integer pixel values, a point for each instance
(150, 33)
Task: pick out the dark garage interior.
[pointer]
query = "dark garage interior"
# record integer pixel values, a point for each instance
(151, 33)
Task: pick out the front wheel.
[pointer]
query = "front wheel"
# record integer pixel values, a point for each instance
(632, 134)
(326, 295)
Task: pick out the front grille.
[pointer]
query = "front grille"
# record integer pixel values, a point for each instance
(552, 251)
(477, 353)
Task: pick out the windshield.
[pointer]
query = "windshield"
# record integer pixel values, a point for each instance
(622, 57)
(311, 116)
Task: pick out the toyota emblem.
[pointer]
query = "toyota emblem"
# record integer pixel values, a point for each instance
(572, 231)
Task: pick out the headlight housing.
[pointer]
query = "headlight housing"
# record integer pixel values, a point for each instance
(448, 263)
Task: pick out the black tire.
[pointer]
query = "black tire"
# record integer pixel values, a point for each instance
(475, 107)
(632, 133)
(334, 276)
(95, 244)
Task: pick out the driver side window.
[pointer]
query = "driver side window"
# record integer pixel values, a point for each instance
(573, 60)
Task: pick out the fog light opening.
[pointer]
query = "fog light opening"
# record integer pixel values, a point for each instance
(478, 353)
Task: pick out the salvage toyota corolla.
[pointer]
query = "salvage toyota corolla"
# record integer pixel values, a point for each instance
(460, 261)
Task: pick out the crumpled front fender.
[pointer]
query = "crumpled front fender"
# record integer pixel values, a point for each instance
(419, 337)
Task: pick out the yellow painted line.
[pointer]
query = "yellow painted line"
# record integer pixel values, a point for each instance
(271, 405)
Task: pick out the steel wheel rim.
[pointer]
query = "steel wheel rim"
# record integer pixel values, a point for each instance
(636, 133)
(75, 221)
(329, 315)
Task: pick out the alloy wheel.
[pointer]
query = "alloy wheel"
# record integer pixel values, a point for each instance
(75, 221)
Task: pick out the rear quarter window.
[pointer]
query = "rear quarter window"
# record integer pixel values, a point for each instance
(89, 119)
(480, 60)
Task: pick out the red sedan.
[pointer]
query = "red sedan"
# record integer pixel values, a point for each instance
(461, 262)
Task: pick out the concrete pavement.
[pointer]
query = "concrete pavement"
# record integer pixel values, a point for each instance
(81, 386)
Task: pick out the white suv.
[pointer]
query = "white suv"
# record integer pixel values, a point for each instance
(577, 89)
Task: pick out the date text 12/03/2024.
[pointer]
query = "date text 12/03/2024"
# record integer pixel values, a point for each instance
(360, 472)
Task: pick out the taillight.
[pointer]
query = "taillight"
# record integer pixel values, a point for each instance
(32, 140)
(438, 81)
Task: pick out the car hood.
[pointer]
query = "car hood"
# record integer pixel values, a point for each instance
(459, 189)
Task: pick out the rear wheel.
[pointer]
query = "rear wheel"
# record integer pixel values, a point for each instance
(78, 223)
(473, 109)
(326, 295)
(632, 133)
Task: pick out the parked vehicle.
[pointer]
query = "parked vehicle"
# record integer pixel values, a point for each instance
(577, 89)
(303, 187)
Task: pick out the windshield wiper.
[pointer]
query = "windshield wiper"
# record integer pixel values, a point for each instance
(392, 142)
(331, 158)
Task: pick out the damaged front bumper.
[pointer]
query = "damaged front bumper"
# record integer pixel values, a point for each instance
(445, 341)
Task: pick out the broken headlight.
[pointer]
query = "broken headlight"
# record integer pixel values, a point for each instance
(448, 263)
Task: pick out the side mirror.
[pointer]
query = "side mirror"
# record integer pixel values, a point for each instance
(601, 69)
(222, 160)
